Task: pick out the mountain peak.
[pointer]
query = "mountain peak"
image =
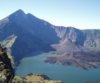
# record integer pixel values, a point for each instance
(20, 11)
(17, 15)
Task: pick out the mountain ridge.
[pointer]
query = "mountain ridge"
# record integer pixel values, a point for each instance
(35, 34)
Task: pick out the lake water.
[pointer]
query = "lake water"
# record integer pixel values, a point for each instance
(68, 74)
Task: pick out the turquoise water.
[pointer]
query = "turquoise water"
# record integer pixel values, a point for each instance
(68, 74)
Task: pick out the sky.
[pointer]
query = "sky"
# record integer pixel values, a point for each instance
(82, 14)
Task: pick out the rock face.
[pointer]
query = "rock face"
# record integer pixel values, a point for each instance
(34, 35)
(87, 39)
(7, 71)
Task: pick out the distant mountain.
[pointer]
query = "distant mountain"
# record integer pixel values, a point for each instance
(82, 39)
(34, 34)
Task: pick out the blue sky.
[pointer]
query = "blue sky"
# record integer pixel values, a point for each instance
(82, 14)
